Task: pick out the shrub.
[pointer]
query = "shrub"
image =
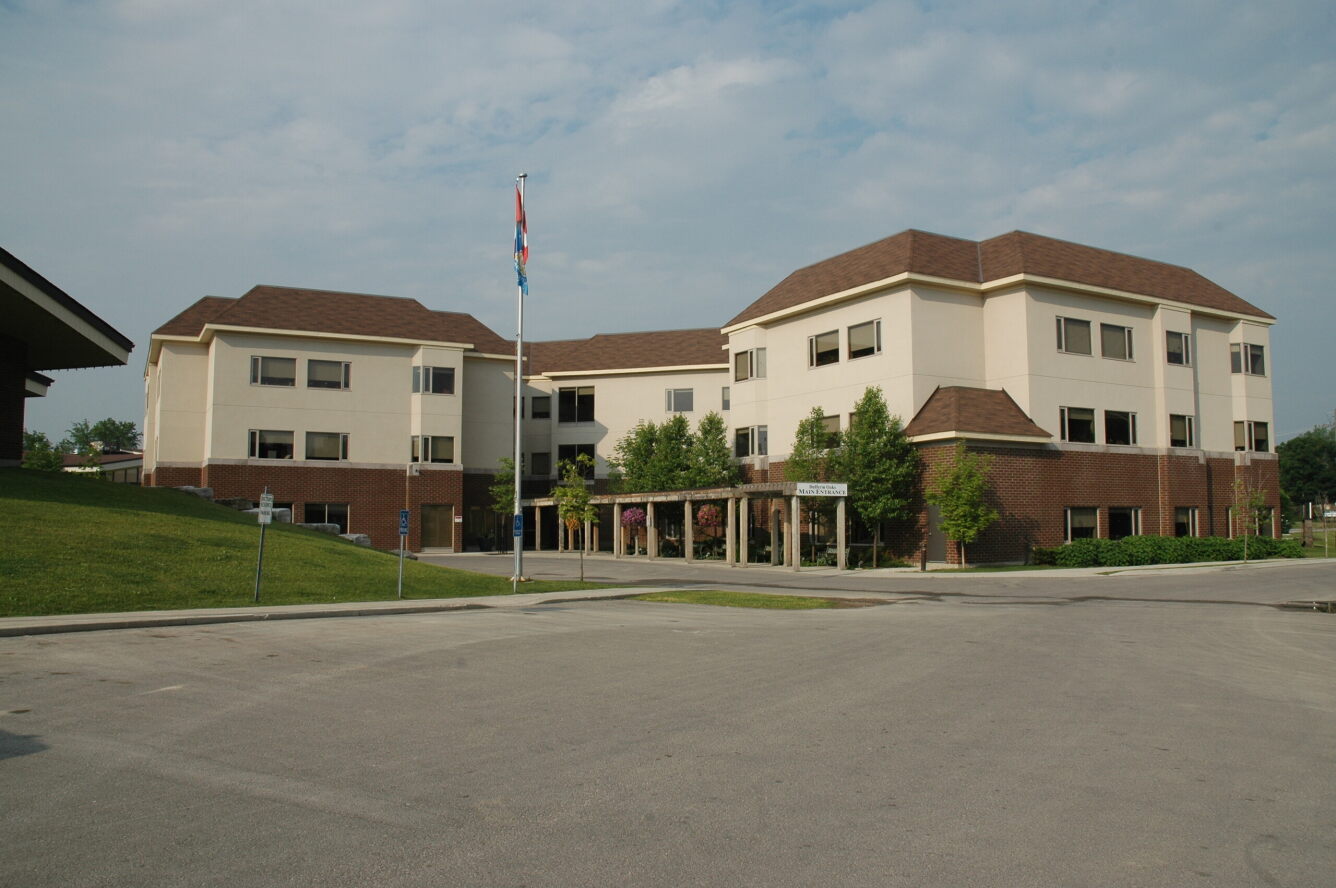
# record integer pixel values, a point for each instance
(1163, 550)
(1042, 555)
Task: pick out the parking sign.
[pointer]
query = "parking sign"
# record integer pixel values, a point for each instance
(403, 522)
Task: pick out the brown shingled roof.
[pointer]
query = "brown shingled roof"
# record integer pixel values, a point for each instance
(617, 351)
(327, 311)
(1014, 253)
(959, 408)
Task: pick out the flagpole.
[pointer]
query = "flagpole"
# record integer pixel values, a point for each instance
(521, 244)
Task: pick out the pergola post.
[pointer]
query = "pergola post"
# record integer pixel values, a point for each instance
(730, 533)
(688, 535)
(795, 535)
(586, 539)
(841, 560)
(618, 536)
(744, 532)
(651, 532)
(537, 529)
(779, 546)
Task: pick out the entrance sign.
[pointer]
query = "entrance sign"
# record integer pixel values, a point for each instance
(821, 488)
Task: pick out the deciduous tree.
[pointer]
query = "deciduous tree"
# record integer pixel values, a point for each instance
(961, 496)
(879, 464)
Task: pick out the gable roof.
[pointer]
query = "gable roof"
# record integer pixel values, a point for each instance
(959, 408)
(626, 351)
(328, 311)
(1017, 252)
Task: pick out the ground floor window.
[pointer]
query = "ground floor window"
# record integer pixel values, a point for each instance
(1124, 522)
(1261, 522)
(1081, 523)
(1185, 521)
(327, 513)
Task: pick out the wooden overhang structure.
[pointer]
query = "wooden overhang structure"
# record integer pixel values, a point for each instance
(736, 526)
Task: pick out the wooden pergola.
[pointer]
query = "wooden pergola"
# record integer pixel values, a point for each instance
(738, 502)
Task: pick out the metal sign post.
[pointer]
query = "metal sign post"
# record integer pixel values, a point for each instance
(265, 517)
(403, 539)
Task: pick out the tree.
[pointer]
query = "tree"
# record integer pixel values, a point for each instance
(40, 454)
(502, 490)
(1249, 500)
(670, 465)
(961, 494)
(711, 459)
(108, 435)
(1308, 465)
(631, 460)
(574, 505)
(809, 461)
(879, 464)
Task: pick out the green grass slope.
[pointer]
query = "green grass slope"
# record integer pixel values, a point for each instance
(78, 545)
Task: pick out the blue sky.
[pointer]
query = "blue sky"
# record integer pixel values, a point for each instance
(683, 157)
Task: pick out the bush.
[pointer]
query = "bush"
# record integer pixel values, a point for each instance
(1042, 555)
(1135, 550)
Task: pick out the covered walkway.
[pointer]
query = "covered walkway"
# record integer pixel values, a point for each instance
(784, 520)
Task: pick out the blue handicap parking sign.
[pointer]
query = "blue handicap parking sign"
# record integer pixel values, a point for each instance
(519, 525)
(403, 522)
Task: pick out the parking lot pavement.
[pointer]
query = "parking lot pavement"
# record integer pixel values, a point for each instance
(1007, 737)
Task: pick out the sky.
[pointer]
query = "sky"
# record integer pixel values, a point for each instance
(683, 157)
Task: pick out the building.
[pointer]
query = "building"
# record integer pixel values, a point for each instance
(1118, 395)
(45, 329)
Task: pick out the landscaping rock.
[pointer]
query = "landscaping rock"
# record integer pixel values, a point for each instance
(357, 539)
(332, 529)
(201, 492)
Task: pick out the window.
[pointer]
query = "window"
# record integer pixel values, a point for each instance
(542, 464)
(726, 397)
(328, 374)
(823, 349)
(752, 441)
(1124, 522)
(270, 444)
(1178, 348)
(1078, 424)
(569, 453)
(1261, 522)
(1185, 521)
(1115, 342)
(1181, 431)
(1249, 435)
(575, 404)
(1073, 336)
(326, 445)
(749, 364)
(433, 448)
(679, 400)
(864, 339)
(328, 513)
(1081, 523)
(542, 406)
(273, 371)
(1120, 427)
(1247, 358)
(434, 380)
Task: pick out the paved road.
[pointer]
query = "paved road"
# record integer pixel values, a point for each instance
(991, 734)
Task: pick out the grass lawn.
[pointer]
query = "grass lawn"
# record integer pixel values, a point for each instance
(78, 545)
(753, 599)
(1316, 550)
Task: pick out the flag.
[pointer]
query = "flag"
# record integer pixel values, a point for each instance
(521, 241)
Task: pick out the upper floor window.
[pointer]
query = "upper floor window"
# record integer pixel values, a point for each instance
(1115, 341)
(541, 464)
(575, 404)
(326, 445)
(542, 406)
(726, 397)
(823, 349)
(679, 400)
(1120, 427)
(434, 380)
(328, 374)
(269, 444)
(1078, 424)
(751, 441)
(273, 371)
(433, 448)
(1181, 431)
(1247, 358)
(1178, 348)
(571, 453)
(830, 432)
(749, 364)
(1249, 435)
(864, 339)
(1073, 336)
